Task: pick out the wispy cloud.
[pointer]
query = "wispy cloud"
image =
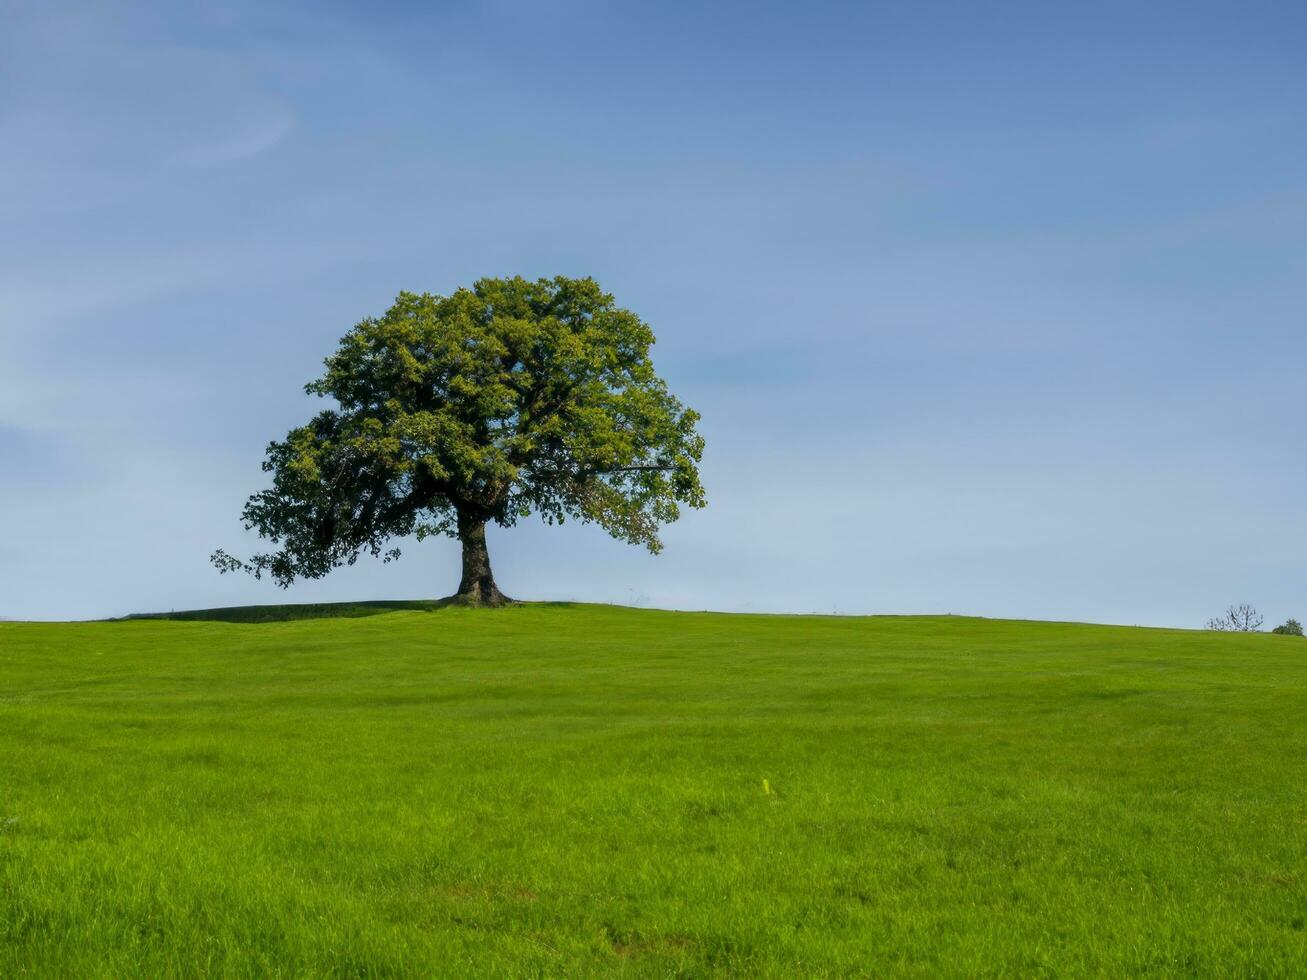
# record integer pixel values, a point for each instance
(96, 110)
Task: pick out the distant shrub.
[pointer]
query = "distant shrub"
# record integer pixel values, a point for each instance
(1237, 619)
(1291, 628)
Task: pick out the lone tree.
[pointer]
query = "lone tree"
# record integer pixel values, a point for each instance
(495, 402)
(1237, 619)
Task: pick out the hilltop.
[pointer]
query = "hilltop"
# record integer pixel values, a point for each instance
(589, 790)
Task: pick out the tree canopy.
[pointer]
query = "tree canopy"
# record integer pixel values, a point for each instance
(510, 398)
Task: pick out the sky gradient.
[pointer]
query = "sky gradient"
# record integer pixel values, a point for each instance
(993, 309)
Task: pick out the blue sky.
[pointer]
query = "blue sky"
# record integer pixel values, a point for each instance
(989, 308)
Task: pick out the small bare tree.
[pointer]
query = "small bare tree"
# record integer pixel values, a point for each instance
(1238, 619)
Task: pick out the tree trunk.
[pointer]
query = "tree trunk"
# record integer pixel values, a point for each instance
(478, 585)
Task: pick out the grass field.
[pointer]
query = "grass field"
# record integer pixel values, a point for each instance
(595, 791)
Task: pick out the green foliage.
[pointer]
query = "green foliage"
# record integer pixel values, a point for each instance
(578, 792)
(1290, 628)
(490, 404)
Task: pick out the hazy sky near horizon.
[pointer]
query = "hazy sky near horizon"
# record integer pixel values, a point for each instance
(996, 309)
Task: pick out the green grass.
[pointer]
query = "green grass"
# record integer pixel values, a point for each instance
(578, 791)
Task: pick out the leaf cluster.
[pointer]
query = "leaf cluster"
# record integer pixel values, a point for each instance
(1290, 628)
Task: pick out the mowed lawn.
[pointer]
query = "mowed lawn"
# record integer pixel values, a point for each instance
(583, 791)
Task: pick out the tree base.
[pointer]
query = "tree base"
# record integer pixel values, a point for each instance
(480, 599)
(477, 586)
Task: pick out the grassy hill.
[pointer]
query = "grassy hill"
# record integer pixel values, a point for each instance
(572, 790)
